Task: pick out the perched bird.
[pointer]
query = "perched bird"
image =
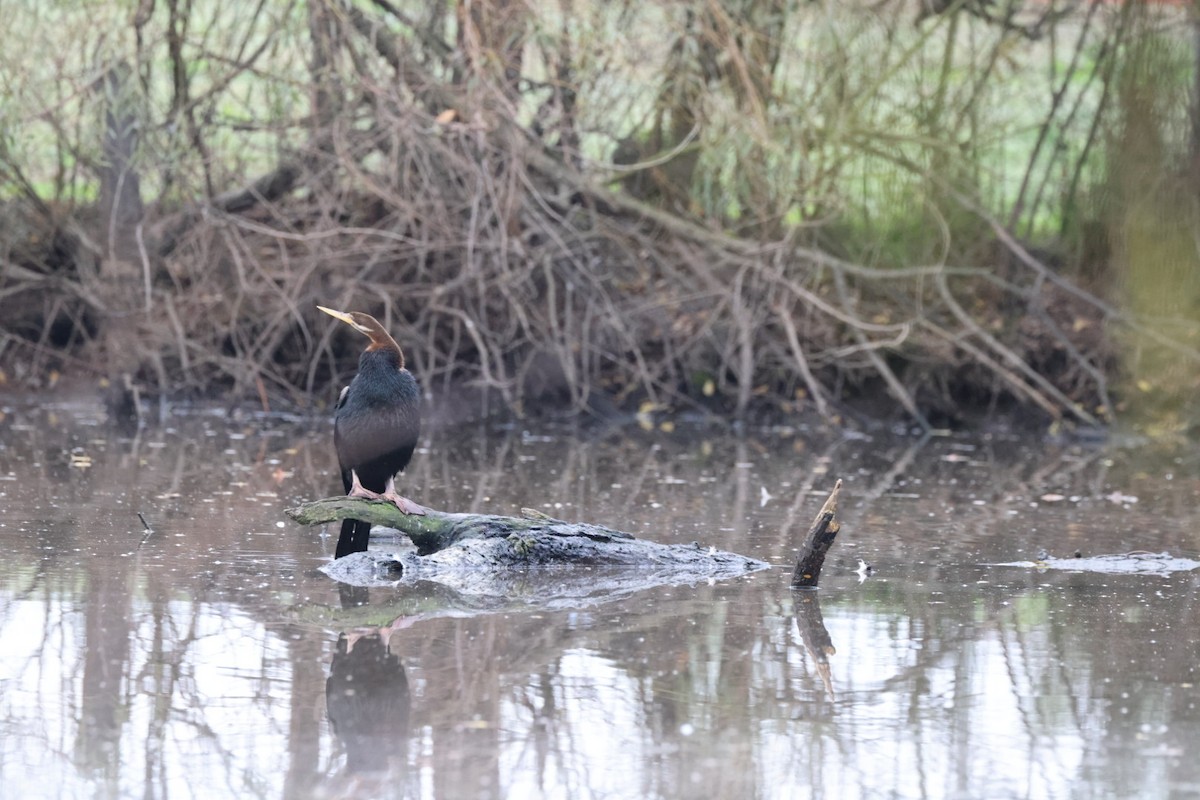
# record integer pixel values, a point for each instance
(375, 426)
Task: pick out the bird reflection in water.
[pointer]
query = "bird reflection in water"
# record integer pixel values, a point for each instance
(368, 702)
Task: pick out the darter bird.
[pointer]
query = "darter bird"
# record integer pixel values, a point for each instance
(376, 423)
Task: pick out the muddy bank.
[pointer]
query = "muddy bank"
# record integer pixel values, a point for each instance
(611, 316)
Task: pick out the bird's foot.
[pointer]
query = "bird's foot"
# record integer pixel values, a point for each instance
(404, 504)
(389, 494)
(358, 490)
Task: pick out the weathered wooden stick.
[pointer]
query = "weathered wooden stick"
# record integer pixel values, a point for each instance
(817, 543)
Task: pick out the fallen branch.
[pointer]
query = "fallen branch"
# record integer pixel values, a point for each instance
(458, 544)
(471, 550)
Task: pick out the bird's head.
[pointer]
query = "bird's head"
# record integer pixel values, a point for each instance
(369, 327)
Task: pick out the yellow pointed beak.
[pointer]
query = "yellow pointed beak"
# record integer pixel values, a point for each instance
(343, 316)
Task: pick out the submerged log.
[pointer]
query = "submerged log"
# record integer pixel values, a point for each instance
(1135, 563)
(474, 551)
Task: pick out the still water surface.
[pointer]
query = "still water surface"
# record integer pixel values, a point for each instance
(208, 658)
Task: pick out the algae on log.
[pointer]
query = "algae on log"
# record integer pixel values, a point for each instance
(477, 548)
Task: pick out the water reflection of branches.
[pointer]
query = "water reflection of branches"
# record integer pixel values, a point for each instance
(709, 675)
(162, 673)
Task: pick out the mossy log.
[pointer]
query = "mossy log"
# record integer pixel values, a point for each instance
(479, 548)
(476, 549)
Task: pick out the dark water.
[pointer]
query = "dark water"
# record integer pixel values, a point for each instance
(209, 659)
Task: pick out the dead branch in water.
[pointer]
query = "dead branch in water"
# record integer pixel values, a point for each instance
(819, 539)
(455, 542)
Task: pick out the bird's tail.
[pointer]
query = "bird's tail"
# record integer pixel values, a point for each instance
(354, 537)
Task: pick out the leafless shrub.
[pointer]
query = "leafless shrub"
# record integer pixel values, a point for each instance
(587, 205)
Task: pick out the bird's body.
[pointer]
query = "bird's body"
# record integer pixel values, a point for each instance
(376, 423)
(864, 570)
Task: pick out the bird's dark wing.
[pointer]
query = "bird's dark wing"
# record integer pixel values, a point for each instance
(341, 402)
